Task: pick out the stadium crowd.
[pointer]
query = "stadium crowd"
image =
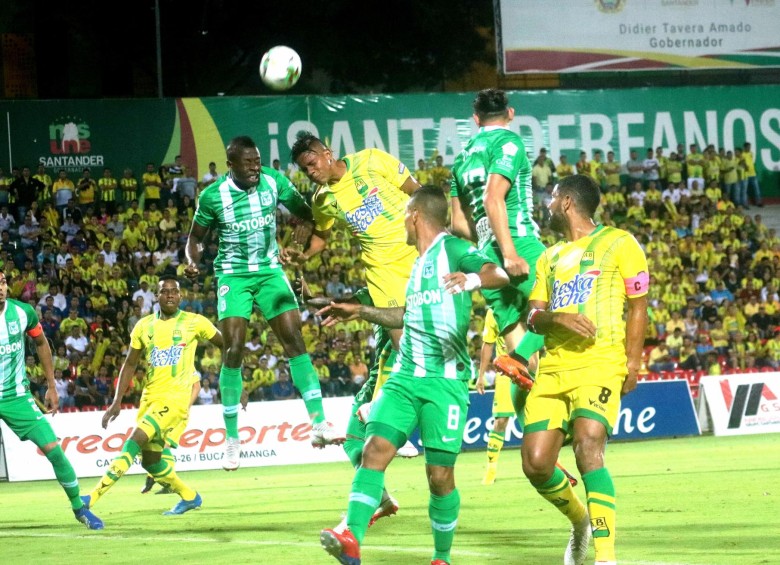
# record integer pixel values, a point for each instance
(88, 255)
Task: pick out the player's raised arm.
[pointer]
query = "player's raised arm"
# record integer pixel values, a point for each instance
(344, 311)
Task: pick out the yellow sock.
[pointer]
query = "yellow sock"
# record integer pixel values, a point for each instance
(118, 467)
(601, 507)
(495, 443)
(558, 491)
(163, 473)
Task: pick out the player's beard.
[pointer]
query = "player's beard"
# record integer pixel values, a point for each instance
(557, 221)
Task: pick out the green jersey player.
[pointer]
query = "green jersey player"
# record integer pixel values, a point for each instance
(492, 204)
(240, 208)
(17, 406)
(429, 380)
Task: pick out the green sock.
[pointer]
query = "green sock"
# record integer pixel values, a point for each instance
(443, 512)
(364, 499)
(529, 344)
(305, 379)
(168, 455)
(230, 385)
(601, 506)
(354, 450)
(66, 476)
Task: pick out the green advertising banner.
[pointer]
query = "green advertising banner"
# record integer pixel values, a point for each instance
(129, 133)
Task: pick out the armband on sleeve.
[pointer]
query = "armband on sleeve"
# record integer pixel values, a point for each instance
(638, 285)
(531, 315)
(36, 331)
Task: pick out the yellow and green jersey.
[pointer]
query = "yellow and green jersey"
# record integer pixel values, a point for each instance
(169, 346)
(369, 200)
(593, 276)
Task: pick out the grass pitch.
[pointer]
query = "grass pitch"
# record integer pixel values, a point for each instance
(690, 501)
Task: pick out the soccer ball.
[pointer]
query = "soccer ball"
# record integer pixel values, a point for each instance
(280, 68)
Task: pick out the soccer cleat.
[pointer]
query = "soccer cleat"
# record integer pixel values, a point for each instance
(185, 506)
(148, 485)
(439, 562)
(515, 370)
(388, 507)
(86, 499)
(572, 479)
(87, 518)
(579, 542)
(490, 474)
(232, 460)
(343, 546)
(323, 434)
(166, 490)
(407, 450)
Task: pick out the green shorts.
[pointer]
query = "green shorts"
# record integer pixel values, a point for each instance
(439, 406)
(269, 289)
(26, 420)
(509, 303)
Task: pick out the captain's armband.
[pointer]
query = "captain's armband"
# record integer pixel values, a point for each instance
(637, 285)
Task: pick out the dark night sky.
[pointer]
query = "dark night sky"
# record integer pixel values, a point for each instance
(210, 46)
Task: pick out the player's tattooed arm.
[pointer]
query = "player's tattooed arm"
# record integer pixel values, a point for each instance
(336, 312)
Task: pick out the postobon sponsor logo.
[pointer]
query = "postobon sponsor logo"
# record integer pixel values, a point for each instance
(166, 357)
(10, 348)
(424, 297)
(573, 292)
(252, 224)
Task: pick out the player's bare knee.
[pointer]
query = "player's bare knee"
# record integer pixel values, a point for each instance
(441, 480)
(588, 453)
(139, 436)
(149, 458)
(500, 425)
(537, 465)
(377, 453)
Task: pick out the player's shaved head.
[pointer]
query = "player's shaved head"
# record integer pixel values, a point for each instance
(583, 190)
(238, 145)
(491, 103)
(305, 141)
(431, 203)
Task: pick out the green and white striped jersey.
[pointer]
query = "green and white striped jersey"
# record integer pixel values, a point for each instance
(15, 321)
(245, 222)
(434, 341)
(495, 149)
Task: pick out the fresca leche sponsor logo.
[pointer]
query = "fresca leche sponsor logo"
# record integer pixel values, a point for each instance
(196, 439)
(362, 217)
(166, 357)
(573, 292)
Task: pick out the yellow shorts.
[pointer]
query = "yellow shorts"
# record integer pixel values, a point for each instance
(163, 420)
(558, 398)
(387, 283)
(502, 398)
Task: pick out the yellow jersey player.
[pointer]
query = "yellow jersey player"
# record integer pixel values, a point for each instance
(368, 191)
(508, 399)
(167, 341)
(583, 285)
